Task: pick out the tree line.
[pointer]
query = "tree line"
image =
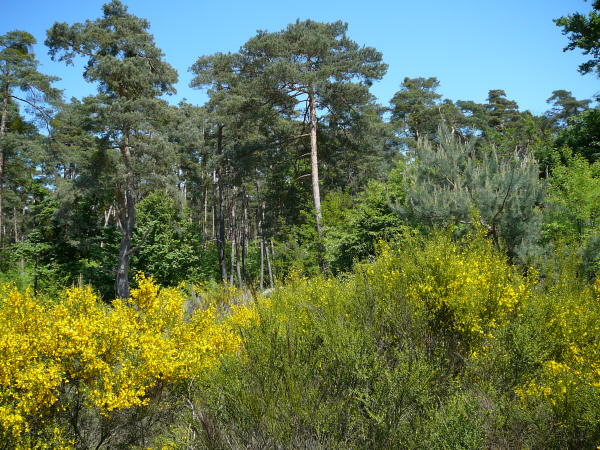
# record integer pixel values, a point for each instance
(291, 165)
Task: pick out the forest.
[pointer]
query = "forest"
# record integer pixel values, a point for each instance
(292, 264)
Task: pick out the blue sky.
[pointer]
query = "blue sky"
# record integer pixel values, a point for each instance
(471, 46)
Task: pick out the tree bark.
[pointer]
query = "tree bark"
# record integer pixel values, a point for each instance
(15, 227)
(269, 268)
(245, 238)
(262, 264)
(3, 121)
(220, 207)
(314, 162)
(238, 265)
(205, 221)
(232, 236)
(262, 245)
(127, 218)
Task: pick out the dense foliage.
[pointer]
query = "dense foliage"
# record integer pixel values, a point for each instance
(292, 264)
(75, 370)
(437, 343)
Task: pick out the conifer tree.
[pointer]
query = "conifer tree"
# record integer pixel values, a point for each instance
(310, 67)
(564, 105)
(414, 107)
(219, 73)
(20, 83)
(583, 135)
(456, 183)
(584, 34)
(124, 61)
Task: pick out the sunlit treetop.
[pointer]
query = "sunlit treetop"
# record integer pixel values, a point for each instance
(122, 55)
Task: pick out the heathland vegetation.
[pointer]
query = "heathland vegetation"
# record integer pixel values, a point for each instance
(292, 264)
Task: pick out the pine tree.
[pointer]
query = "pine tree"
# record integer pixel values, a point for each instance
(18, 72)
(486, 187)
(124, 61)
(584, 33)
(564, 105)
(308, 67)
(414, 107)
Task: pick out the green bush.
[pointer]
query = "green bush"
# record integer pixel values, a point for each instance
(436, 344)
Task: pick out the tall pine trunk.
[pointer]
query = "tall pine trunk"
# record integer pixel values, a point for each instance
(232, 236)
(127, 218)
(221, 207)
(205, 221)
(314, 163)
(244, 239)
(262, 264)
(3, 121)
(15, 226)
(261, 219)
(269, 268)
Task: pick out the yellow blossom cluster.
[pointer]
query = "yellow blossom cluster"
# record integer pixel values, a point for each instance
(311, 298)
(111, 357)
(574, 325)
(468, 289)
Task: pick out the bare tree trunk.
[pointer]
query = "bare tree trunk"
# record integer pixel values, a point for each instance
(107, 215)
(233, 243)
(184, 190)
(272, 254)
(220, 212)
(3, 121)
(205, 221)
(127, 217)
(15, 228)
(243, 238)
(232, 263)
(261, 218)
(269, 267)
(212, 218)
(238, 264)
(262, 264)
(314, 163)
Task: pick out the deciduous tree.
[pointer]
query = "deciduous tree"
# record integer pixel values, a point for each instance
(584, 34)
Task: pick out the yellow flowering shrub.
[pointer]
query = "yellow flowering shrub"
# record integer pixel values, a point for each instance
(438, 343)
(112, 357)
(465, 288)
(572, 330)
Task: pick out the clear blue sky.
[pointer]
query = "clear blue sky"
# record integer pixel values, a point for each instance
(471, 46)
